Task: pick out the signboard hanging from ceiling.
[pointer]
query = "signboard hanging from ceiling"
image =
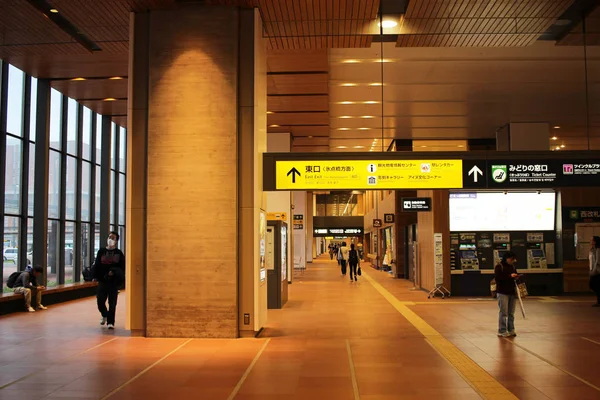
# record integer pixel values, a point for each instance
(416, 204)
(359, 171)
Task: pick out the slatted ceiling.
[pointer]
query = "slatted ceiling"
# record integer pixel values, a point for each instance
(22, 24)
(477, 23)
(298, 103)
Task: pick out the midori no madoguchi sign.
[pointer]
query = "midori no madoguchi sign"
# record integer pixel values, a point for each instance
(368, 174)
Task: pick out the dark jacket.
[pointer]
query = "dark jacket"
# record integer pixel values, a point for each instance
(505, 284)
(26, 279)
(107, 260)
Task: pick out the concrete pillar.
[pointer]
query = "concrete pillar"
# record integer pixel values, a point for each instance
(197, 122)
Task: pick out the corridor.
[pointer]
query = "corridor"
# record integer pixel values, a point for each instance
(375, 339)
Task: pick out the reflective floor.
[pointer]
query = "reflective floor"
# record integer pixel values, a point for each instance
(374, 339)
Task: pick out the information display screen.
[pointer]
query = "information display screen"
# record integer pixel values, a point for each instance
(496, 211)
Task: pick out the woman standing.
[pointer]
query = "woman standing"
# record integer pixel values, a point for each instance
(594, 258)
(506, 274)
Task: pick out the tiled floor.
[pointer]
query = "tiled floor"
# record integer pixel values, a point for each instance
(333, 340)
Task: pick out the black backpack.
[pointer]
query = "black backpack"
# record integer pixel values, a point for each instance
(88, 273)
(12, 279)
(353, 257)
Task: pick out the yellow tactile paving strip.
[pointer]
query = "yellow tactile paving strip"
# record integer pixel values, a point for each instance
(477, 377)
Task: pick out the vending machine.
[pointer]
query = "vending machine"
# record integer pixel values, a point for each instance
(277, 264)
(468, 257)
(536, 258)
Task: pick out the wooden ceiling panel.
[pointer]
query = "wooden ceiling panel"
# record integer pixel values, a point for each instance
(592, 37)
(117, 108)
(292, 119)
(92, 89)
(299, 84)
(121, 121)
(468, 23)
(298, 103)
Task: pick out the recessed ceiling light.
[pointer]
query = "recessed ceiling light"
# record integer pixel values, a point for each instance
(346, 102)
(554, 138)
(345, 117)
(387, 24)
(78, 79)
(343, 129)
(342, 147)
(556, 127)
(54, 11)
(310, 137)
(115, 78)
(348, 84)
(358, 147)
(562, 146)
(110, 99)
(423, 146)
(384, 60)
(274, 126)
(460, 145)
(368, 116)
(557, 147)
(350, 61)
(375, 84)
(371, 102)
(364, 129)
(269, 112)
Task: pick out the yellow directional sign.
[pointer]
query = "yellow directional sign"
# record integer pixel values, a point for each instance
(277, 216)
(376, 174)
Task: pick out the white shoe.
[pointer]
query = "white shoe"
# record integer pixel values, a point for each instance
(42, 307)
(103, 321)
(31, 309)
(111, 326)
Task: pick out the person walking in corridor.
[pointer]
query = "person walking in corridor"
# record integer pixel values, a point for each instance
(109, 271)
(506, 274)
(594, 258)
(353, 261)
(343, 257)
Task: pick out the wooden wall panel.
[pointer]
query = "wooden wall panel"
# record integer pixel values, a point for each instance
(436, 221)
(403, 219)
(192, 178)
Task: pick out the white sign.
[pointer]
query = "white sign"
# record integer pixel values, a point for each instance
(496, 211)
(438, 253)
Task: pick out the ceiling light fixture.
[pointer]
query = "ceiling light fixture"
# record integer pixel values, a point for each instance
(554, 138)
(375, 84)
(364, 129)
(358, 147)
(343, 129)
(350, 61)
(348, 84)
(345, 117)
(556, 127)
(368, 116)
(269, 112)
(54, 11)
(346, 102)
(557, 147)
(387, 24)
(342, 147)
(274, 126)
(562, 146)
(115, 78)
(110, 99)
(78, 79)
(310, 137)
(371, 102)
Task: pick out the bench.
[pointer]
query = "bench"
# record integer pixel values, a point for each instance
(12, 302)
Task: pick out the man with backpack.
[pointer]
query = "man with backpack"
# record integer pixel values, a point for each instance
(26, 282)
(353, 261)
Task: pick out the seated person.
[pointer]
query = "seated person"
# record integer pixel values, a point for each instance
(26, 283)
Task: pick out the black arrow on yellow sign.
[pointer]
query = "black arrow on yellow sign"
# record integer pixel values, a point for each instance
(293, 172)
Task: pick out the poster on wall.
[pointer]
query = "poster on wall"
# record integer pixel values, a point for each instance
(438, 252)
(262, 238)
(284, 253)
